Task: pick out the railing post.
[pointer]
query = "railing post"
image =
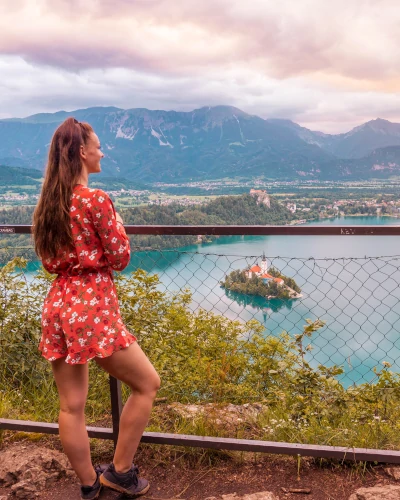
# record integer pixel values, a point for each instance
(116, 406)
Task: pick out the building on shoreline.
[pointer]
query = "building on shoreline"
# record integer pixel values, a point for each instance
(262, 272)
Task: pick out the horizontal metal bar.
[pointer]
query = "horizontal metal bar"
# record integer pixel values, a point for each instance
(307, 450)
(15, 229)
(267, 230)
(300, 230)
(48, 428)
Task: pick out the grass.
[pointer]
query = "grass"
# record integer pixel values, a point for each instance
(203, 358)
(271, 424)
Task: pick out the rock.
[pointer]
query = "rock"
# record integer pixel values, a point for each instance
(393, 472)
(7, 478)
(261, 196)
(25, 489)
(261, 495)
(29, 470)
(389, 492)
(219, 414)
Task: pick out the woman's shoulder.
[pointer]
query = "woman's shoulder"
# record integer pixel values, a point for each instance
(87, 194)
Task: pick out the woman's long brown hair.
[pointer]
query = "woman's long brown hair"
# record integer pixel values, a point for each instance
(51, 218)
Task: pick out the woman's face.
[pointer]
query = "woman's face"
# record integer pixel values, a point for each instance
(91, 154)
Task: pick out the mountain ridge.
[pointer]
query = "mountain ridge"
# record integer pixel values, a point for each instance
(208, 143)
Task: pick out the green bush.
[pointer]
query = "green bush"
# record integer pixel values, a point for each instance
(201, 357)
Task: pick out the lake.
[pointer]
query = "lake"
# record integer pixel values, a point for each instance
(350, 282)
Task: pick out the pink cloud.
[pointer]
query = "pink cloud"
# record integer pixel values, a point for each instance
(282, 40)
(307, 61)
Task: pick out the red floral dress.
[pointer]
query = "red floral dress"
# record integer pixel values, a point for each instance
(81, 317)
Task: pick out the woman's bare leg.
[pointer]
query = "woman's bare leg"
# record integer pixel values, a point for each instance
(132, 367)
(72, 385)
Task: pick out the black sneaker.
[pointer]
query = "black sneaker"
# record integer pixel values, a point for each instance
(92, 492)
(128, 482)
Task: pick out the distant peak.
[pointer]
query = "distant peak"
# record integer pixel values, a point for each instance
(379, 120)
(58, 116)
(221, 110)
(381, 124)
(378, 125)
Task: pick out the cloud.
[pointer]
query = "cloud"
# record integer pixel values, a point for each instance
(324, 66)
(75, 38)
(313, 105)
(359, 39)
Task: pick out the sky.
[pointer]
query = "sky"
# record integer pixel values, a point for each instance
(329, 66)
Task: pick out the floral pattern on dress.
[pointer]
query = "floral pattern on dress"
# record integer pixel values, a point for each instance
(81, 317)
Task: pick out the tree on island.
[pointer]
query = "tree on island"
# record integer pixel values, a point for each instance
(256, 281)
(288, 281)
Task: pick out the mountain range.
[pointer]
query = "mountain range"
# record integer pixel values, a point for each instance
(209, 143)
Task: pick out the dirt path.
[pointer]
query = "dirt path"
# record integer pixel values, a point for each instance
(265, 473)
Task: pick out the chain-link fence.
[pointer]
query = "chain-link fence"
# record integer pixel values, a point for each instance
(357, 298)
(303, 349)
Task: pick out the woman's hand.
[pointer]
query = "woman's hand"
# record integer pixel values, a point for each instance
(119, 218)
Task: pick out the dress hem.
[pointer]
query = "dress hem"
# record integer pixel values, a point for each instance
(56, 355)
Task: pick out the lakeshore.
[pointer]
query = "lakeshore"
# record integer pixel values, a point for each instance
(344, 281)
(325, 268)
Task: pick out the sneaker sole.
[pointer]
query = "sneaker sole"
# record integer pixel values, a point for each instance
(97, 496)
(116, 487)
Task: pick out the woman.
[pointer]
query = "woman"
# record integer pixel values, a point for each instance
(79, 236)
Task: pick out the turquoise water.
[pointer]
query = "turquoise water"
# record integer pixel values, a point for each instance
(357, 297)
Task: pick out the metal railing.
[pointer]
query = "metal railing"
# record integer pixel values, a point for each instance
(374, 289)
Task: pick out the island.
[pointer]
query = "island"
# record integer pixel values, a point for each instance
(262, 280)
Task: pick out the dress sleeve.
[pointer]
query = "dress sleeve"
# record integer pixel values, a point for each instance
(112, 234)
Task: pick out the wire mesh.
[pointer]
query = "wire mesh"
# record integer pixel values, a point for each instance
(206, 337)
(357, 298)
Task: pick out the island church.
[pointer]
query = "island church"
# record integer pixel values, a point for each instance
(262, 272)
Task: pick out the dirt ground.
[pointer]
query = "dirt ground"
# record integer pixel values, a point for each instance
(195, 475)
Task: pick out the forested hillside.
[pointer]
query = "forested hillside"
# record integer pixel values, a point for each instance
(225, 210)
(229, 210)
(16, 215)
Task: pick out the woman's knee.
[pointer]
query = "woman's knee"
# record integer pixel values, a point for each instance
(74, 406)
(157, 382)
(149, 385)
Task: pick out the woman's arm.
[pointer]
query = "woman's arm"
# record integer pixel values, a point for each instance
(109, 227)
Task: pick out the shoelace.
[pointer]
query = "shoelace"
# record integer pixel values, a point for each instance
(134, 473)
(99, 469)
